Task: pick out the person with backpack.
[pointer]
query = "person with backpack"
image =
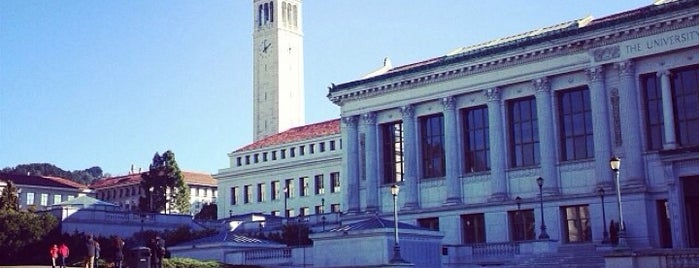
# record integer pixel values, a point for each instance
(63, 253)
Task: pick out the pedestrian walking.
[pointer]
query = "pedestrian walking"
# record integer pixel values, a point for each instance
(118, 252)
(53, 253)
(97, 254)
(90, 257)
(63, 253)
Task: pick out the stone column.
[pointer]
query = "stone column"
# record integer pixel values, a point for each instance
(668, 115)
(352, 164)
(371, 161)
(630, 125)
(498, 155)
(600, 126)
(547, 141)
(410, 158)
(451, 152)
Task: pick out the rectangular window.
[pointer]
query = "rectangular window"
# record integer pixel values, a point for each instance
(276, 213)
(70, 197)
(283, 153)
(577, 221)
(292, 152)
(247, 194)
(392, 152)
(473, 226)
(57, 199)
(239, 161)
(522, 226)
(275, 190)
(332, 145)
(429, 223)
(302, 150)
(576, 124)
(303, 186)
(476, 139)
(432, 141)
(320, 209)
(524, 133)
(320, 184)
(44, 199)
(335, 208)
(264, 157)
(289, 188)
(234, 195)
(261, 192)
(321, 147)
(304, 211)
(290, 213)
(247, 160)
(685, 93)
(335, 182)
(256, 158)
(30, 198)
(311, 148)
(274, 155)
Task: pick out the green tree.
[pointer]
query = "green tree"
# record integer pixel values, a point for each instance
(9, 199)
(207, 212)
(21, 229)
(164, 174)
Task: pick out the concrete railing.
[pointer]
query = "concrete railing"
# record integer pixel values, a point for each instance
(268, 256)
(655, 258)
(495, 249)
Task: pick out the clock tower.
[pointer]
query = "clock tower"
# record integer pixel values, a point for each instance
(278, 96)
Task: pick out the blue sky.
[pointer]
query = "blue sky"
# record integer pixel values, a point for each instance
(109, 83)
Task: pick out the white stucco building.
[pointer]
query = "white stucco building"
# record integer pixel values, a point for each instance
(293, 173)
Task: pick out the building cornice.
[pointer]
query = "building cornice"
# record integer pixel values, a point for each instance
(581, 39)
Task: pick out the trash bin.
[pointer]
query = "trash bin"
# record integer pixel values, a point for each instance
(139, 257)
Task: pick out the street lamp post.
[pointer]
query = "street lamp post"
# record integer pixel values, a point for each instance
(605, 238)
(322, 210)
(615, 164)
(286, 196)
(150, 190)
(519, 215)
(540, 182)
(396, 246)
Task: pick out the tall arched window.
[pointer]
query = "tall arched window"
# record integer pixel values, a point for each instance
(296, 15)
(259, 16)
(266, 12)
(271, 11)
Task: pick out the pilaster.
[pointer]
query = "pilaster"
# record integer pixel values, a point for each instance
(410, 158)
(670, 141)
(600, 126)
(371, 162)
(352, 164)
(630, 125)
(451, 149)
(498, 155)
(547, 140)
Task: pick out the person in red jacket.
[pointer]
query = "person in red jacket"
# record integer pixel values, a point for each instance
(53, 252)
(63, 253)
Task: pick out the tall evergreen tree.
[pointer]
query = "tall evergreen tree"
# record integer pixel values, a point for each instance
(9, 198)
(164, 174)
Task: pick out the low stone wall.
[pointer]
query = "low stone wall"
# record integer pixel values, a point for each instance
(653, 258)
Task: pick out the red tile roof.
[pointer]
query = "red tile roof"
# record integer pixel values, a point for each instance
(134, 178)
(42, 181)
(307, 132)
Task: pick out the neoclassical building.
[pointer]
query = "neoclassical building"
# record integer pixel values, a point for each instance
(467, 134)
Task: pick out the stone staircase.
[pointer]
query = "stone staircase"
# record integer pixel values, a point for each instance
(568, 256)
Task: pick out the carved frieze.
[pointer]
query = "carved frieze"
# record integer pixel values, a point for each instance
(606, 53)
(595, 74)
